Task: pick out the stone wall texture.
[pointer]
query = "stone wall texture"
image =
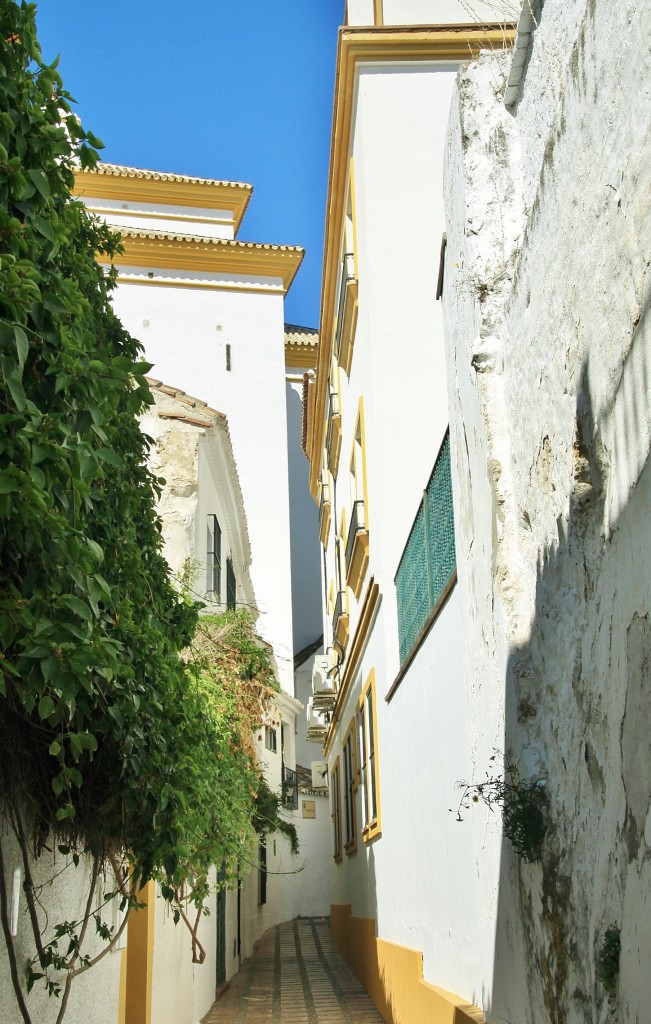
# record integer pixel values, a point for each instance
(546, 302)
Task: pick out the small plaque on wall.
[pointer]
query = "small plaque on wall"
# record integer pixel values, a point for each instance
(309, 809)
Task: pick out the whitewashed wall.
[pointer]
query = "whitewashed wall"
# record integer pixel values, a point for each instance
(182, 992)
(547, 298)
(185, 332)
(94, 995)
(398, 364)
(432, 12)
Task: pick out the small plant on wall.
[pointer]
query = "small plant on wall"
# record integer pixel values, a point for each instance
(608, 961)
(521, 802)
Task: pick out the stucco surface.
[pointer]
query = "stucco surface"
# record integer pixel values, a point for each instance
(547, 330)
(62, 891)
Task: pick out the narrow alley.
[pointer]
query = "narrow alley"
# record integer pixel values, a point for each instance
(295, 976)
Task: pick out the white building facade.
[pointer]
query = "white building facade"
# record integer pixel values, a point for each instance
(208, 310)
(395, 733)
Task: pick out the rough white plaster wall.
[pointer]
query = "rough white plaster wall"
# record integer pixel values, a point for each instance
(93, 995)
(547, 327)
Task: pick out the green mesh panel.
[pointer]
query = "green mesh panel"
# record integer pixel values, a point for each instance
(429, 558)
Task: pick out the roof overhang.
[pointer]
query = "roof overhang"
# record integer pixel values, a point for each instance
(380, 45)
(217, 255)
(133, 185)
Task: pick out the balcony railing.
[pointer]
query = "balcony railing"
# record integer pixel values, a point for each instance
(333, 433)
(345, 281)
(290, 789)
(324, 512)
(357, 524)
(340, 621)
(357, 548)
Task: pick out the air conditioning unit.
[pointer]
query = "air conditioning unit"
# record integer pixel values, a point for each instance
(323, 680)
(316, 725)
(319, 774)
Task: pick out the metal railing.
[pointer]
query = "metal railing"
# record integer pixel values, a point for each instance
(340, 609)
(347, 274)
(289, 787)
(325, 497)
(331, 410)
(357, 523)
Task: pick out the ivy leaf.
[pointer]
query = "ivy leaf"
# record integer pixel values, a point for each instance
(41, 182)
(45, 707)
(22, 345)
(79, 607)
(111, 456)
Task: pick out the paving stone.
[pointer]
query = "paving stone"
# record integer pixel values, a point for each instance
(295, 976)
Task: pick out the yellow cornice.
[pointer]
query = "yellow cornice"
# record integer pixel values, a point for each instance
(300, 355)
(379, 45)
(200, 194)
(220, 256)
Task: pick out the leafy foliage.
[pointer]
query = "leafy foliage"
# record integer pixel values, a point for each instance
(92, 683)
(112, 741)
(521, 803)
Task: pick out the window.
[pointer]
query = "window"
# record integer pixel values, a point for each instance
(289, 789)
(335, 789)
(270, 739)
(350, 836)
(427, 569)
(369, 775)
(231, 586)
(214, 558)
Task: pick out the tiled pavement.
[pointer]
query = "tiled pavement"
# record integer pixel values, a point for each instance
(295, 976)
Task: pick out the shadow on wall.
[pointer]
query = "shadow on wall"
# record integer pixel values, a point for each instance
(578, 715)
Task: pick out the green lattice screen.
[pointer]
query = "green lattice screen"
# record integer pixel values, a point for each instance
(429, 558)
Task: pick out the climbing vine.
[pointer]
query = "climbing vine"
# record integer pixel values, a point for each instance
(116, 748)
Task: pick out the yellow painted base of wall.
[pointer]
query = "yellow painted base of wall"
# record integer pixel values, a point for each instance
(393, 975)
(140, 959)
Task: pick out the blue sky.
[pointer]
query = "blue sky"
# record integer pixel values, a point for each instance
(235, 90)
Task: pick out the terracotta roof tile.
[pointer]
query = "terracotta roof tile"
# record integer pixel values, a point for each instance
(306, 336)
(226, 243)
(120, 171)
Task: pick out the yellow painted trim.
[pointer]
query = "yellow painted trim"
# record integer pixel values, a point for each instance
(300, 355)
(223, 256)
(111, 211)
(378, 12)
(366, 620)
(393, 975)
(140, 958)
(374, 829)
(209, 285)
(446, 44)
(198, 194)
(324, 524)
